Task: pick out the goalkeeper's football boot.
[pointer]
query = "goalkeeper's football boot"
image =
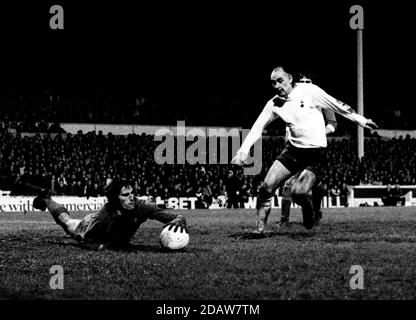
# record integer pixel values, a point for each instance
(39, 202)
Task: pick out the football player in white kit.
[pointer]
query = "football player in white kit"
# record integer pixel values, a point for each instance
(299, 106)
(331, 125)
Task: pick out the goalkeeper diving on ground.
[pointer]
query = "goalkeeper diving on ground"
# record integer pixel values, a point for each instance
(115, 223)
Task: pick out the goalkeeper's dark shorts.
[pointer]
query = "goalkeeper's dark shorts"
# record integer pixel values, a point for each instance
(297, 159)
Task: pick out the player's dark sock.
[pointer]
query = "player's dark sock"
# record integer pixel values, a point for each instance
(305, 201)
(308, 217)
(285, 210)
(317, 201)
(318, 215)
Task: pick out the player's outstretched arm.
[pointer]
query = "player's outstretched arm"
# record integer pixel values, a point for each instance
(328, 102)
(330, 120)
(265, 117)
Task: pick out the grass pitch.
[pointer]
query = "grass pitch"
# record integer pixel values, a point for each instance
(222, 261)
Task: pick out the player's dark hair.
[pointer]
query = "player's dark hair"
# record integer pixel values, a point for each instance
(296, 75)
(112, 190)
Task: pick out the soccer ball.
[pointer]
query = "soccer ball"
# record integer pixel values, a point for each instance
(173, 240)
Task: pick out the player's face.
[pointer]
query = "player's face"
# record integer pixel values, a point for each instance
(282, 82)
(127, 198)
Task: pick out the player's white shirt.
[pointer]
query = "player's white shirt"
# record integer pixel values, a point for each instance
(302, 114)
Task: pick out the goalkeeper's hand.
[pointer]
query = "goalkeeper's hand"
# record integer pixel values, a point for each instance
(239, 158)
(178, 223)
(370, 124)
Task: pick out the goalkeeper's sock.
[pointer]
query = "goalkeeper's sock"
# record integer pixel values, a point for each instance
(59, 213)
(39, 202)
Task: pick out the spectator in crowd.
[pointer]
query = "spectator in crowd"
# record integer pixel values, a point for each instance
(246, 192)
(334, 193)
(388, 198)
(79, 189)
(61, 185)
(397, 196)
(88, 189)
(53, 183)
(233, 190)
(344, 192)
(72, 188)
(204, 195)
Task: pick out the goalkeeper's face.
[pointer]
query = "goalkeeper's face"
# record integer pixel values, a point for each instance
(127, 198)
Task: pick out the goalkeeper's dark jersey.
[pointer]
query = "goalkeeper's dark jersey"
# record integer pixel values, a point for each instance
(116, 227)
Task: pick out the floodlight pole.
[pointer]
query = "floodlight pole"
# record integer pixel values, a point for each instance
(360, 91)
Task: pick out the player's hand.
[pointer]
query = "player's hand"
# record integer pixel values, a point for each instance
(179, 223)
(329, 129)
(370, 124)
(239, 158)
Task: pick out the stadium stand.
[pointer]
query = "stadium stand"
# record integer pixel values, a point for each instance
(80, 164)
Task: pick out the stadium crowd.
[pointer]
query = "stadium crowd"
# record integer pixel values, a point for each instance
(42, 111)
(82, 164)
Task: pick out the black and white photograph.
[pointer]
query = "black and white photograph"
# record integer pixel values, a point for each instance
(208, 157)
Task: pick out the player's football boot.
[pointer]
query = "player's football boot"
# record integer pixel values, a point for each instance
(258, 234)
(283, 224)
(39, 202)
(308, 218)
(318, 216)
(260, 227)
